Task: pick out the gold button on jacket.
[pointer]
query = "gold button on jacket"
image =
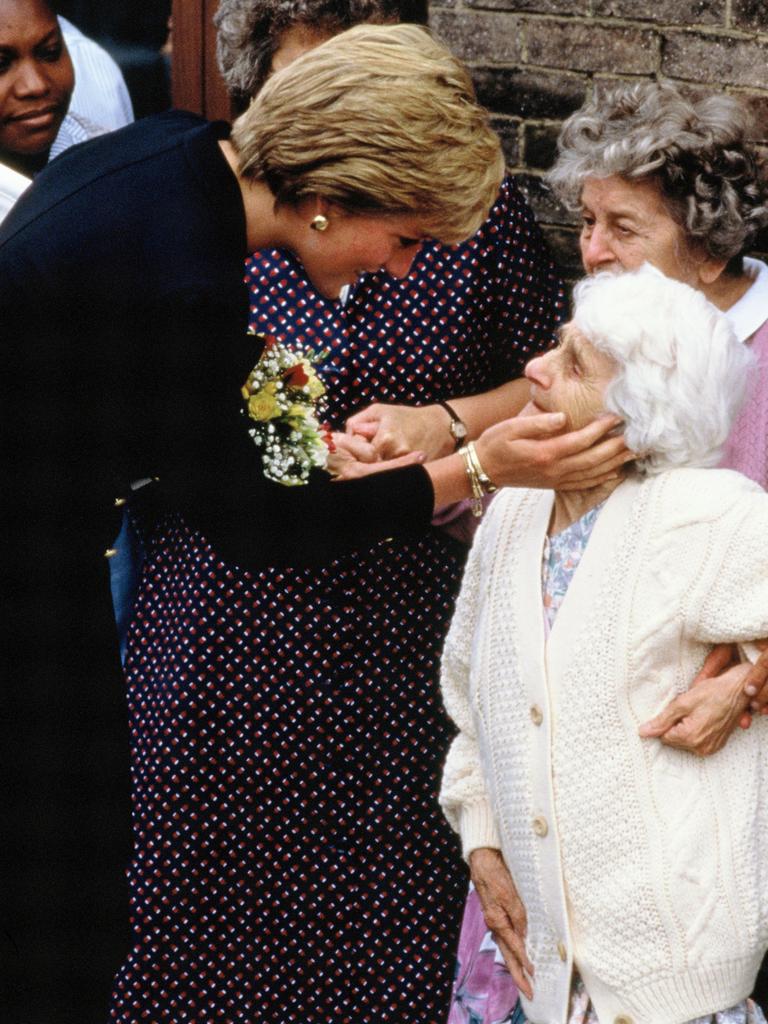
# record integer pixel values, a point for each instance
(537, 715)
(562, 952)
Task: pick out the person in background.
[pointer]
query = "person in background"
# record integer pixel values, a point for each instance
(36, 83)
(57, 87)
(658, 177)
(101, 95)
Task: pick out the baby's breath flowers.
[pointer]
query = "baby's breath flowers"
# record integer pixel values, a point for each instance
(284, 401)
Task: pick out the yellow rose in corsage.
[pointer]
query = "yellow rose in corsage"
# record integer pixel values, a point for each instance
(282, 398)
(264, 405)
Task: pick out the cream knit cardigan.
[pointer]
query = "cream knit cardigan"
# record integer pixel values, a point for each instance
(645, 867)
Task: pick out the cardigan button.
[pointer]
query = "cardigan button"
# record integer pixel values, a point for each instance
(540, 826)
(562, 952)
(537, 715)
(623, 1019)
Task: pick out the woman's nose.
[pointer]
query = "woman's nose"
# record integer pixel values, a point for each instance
(595, 248)
(399, 263)
(30, 81)
(536, 371)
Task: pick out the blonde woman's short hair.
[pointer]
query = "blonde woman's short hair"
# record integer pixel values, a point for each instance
(381, 119)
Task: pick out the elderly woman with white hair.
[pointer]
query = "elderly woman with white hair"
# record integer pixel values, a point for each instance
(630, 877)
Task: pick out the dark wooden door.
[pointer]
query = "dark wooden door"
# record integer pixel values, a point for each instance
(196, 81)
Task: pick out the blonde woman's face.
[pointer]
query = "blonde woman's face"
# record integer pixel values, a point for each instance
(625, 224)
(355, 244)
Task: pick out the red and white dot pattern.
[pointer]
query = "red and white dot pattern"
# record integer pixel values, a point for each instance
(292, 865)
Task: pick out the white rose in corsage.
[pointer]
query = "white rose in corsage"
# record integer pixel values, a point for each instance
(284, 399)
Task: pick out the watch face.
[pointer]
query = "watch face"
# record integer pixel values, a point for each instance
(458, 430)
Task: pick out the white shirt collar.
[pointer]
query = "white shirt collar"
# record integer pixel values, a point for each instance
(751, 311)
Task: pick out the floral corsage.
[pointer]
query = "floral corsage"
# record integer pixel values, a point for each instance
(284, 399)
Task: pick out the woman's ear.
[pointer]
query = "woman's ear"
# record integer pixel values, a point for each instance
(320, 206)
(709, 270)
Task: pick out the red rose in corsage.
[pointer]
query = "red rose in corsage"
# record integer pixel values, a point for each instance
(284, 401)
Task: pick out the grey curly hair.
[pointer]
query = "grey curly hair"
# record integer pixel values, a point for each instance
(712, 179)
(249, 32)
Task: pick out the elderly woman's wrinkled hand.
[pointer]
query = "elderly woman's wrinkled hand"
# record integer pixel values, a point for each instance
(702, 719)
(504, 913)
(395, 430)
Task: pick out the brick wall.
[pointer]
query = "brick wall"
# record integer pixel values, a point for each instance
(536, 61)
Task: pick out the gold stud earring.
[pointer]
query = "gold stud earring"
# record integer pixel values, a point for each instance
(319, 223)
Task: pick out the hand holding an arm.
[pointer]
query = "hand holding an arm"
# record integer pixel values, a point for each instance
(504, 913)
(702, 719)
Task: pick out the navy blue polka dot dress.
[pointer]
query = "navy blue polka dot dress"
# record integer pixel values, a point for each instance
(292, 865)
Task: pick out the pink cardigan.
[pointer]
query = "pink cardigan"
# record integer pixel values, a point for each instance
(747, 446)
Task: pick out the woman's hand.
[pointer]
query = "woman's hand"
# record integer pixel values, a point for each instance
(756, 682)
(522, 452)
(725, 656)
(504, 913)
(701, 720)
(724, 694)
(394, 430)
(355, 457)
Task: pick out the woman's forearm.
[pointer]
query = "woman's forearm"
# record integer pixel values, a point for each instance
(479, 412)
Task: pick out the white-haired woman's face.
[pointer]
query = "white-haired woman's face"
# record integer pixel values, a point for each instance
(625, 224)
(571, 378)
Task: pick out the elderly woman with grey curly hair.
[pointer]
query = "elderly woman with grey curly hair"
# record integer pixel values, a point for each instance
(634, 875)
(658, 177)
